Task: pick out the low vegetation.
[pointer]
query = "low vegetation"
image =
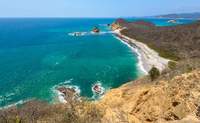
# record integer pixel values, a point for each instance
(42, 112)
(171, 98)
(154, 73)
(173, 42)
(172, 64)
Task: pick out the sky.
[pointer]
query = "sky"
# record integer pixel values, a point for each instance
(95, 8)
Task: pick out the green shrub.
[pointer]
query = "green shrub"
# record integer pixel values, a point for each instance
(154, 73)
(165, 53)
(18, 120)
(172, 65)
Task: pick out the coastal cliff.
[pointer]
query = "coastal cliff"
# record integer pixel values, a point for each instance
(165, 100)
(173, 97)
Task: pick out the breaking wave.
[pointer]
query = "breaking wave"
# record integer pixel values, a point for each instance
(96, 95)
(58, 95)
(77, 34)
(14, 104)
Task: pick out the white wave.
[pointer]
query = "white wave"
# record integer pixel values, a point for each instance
(65, 82)
(139, 57)
(89, 33)
(102, 32)
(6, 97)
(60, 96)
(78, 33)
(10, 94)
(14, 104)
(95, 95)
(103, 24)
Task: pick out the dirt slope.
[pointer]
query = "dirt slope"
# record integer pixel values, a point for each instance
(165, 101)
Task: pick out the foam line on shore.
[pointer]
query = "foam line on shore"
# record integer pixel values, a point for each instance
(14, 104)
(139, 57)
(59, 96)
(95, 95)
(147, 57)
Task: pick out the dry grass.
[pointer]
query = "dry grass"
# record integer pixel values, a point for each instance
(41, 112)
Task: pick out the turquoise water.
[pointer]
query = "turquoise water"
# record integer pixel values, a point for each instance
(164, 21)
(36, 55)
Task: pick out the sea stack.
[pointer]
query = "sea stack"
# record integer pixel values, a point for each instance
(96, 30)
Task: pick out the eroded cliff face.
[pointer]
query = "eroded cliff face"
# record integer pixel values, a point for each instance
(118, 24)
(175, 100)
(115, 26)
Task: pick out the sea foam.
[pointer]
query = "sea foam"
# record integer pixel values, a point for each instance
(78, 34)
(59, 96)
(20, 102)
(95, 95)
(139, 57)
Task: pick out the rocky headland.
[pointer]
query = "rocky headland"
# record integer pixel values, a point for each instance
(171, 97)
(172, 42)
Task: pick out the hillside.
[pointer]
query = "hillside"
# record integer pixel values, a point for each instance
(173, 98)
(162, 101)
(173, 42)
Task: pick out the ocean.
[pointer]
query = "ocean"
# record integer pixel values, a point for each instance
(39, 54)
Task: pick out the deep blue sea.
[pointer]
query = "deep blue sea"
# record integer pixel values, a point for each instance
(38, 54)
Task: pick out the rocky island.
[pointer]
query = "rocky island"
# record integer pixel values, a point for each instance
(95, 30)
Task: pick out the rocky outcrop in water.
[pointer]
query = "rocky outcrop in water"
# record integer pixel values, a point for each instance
(96, 30)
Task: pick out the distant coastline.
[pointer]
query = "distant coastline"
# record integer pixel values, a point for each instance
(195, 15)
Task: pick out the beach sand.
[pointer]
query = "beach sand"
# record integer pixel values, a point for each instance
(147, 57)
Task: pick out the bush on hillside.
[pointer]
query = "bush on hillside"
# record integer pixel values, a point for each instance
(154, 73)
(172, 65)
(39, 112)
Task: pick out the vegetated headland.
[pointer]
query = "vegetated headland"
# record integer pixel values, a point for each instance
(170, 93)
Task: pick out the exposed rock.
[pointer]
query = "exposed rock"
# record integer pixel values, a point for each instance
(96, 30)
(166, 101)
(69, 94)
(121, 23)
(118, 24)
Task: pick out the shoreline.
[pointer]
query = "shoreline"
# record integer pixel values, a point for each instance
(147, 57)
(139, 57)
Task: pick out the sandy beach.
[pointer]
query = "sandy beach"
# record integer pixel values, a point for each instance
(147, 57)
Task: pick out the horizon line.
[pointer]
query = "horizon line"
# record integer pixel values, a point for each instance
(145, 16)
